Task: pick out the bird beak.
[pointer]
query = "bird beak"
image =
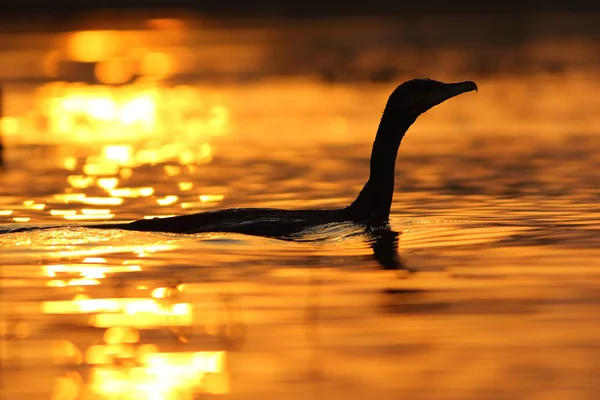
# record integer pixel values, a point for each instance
(449, 90)
(445, 92)
(461, 87)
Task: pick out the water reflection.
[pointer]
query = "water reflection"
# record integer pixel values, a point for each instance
(385, 249)
(154, 345)
(126, 364)
(495, 222)
(128, 123)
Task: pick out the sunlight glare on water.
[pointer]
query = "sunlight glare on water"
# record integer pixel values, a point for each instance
(496, 204)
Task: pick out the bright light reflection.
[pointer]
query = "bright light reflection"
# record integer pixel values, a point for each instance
(140, 251)
(102, 108)
(167, 200)
(100, 169)
(184, 186)
(69, 197)
(102, 201)
(129, 312)
(88, 269)
(88, 216)
(31, 205)
(145, 314)
(56, 283)
(94, 260)
(164, 376)
(70, 163)
(123, 154)
(142, 108)
(80, 181)
(94, 211)
(81, 198)
(89, 273)
(84, 281)
(72, 282)
(132, 192)
(91, 113)
(118, 334)
(160, 292)
(9, 125)
(63, 212)
(107, 183)
(211, 197)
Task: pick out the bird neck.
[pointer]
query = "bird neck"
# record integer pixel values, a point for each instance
(375, 199)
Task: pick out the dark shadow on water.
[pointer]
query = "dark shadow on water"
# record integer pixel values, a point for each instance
(385, 245)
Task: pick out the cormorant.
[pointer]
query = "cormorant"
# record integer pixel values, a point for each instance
(371, 207)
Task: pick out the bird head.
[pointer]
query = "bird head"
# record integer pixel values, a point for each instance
(416, 96)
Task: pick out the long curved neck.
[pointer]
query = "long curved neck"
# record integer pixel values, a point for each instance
(375, 199)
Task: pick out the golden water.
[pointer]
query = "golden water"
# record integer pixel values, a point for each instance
(497, 202)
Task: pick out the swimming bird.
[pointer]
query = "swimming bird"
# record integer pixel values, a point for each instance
(372, 206)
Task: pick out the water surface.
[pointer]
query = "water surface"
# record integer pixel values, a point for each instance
(496, 207)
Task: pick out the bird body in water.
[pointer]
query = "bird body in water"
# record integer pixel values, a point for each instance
(371, 207)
